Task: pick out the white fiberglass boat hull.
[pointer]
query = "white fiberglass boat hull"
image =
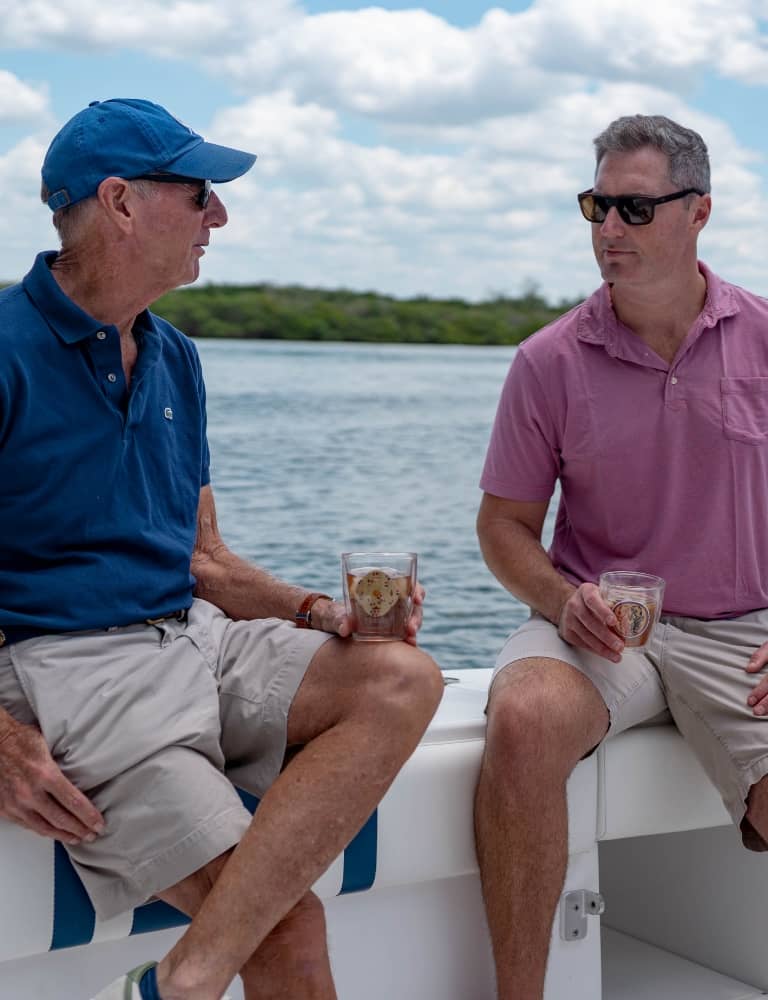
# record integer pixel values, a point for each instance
(646, 830)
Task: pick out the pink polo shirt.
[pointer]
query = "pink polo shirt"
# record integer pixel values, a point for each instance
(662, 468)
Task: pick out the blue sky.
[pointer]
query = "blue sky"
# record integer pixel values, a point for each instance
(463, 13)
(430, 148)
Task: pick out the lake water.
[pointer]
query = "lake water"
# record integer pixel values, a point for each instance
(319, 449)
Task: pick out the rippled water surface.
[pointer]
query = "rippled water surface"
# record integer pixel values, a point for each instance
(318, 449)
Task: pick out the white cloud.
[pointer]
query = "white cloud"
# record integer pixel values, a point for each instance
(285, 135)
(25, 225)
(655, 40)
(480, 138)
(171, 28)
(411, 66)
(19, 101)
(406, 65)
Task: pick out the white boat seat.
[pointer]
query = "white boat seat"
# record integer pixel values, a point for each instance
(644, 781)
(650, 782)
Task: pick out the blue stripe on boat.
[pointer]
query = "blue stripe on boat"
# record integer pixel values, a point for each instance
(249, 801)
(156, 916)
(73, 916)
(360, 858)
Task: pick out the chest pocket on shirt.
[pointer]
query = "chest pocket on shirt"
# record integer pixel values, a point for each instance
(745, 408)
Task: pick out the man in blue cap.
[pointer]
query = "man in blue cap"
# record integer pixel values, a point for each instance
(144, 668)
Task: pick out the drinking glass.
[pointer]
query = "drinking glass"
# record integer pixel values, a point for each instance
(378, 593)
(636, 600)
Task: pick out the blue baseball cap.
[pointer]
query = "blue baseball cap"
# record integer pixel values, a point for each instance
(128, 138)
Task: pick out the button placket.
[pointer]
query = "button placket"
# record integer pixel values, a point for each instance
(674, 392)
(107, 360)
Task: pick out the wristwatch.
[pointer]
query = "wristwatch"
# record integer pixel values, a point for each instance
(303, 616)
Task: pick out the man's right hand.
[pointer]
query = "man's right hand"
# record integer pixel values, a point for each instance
(35, 794)
(586, 621)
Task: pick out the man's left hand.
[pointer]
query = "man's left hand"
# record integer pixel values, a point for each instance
(331, 616)
(758, 699)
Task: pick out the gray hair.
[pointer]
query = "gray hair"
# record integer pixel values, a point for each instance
(70, 221)
(684, 149)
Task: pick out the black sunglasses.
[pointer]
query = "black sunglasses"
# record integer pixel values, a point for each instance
(634, 209)
(203, 195)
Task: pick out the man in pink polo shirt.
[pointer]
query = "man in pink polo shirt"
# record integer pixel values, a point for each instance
(648, 403)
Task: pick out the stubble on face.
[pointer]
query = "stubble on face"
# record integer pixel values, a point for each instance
(638, 254)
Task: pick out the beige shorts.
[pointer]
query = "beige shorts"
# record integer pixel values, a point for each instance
(156, 724)
(695, 670)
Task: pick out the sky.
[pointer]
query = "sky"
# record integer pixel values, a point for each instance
(431, 148)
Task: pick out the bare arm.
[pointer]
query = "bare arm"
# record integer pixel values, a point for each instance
(243, 590)
(510, 540)
(239, 588)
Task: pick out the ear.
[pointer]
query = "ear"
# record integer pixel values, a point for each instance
(702, 211)
(117, 199)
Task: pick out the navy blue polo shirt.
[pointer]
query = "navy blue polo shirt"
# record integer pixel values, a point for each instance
(99, 485)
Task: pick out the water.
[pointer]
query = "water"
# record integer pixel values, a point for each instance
(319, 449)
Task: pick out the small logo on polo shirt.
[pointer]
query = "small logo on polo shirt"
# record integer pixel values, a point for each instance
(168, 413)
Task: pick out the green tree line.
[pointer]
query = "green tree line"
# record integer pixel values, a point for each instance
(270, 312)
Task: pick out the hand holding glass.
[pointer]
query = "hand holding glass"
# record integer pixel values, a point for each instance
(378, 593)
(636, 600)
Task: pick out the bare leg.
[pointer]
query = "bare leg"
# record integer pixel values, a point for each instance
(359, 712)
(292, 961)
(543, 717)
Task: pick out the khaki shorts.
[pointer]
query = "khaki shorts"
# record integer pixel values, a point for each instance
(156, 723)
(695, 670)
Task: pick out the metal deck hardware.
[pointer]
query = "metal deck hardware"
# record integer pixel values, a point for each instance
(575, 907)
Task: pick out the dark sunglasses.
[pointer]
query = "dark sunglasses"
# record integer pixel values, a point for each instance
(634, 209)
(203, 195)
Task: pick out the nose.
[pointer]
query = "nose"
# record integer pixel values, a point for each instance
(215, 214)
(612, 224)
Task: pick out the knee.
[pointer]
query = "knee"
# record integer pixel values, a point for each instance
(531, 725)
(517, 725)
(407, 682)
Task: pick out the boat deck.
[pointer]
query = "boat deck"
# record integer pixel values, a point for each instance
(632, 970)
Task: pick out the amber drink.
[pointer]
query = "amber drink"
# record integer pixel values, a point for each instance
(636, 601)
(378, 593)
